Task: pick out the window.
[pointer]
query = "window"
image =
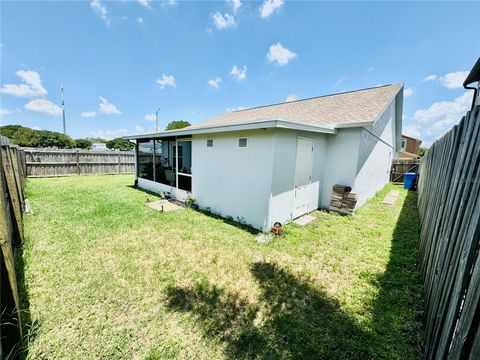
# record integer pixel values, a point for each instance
(209, 142)
(242, 142)
(403, 144)
(145, 159)
(165, 162)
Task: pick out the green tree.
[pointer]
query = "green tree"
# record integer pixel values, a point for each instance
(96, 140)
(120, 144)
(46, 138)
(83, 144)
(422, 151)
(9, 130)
(177, 124)
(25, 137)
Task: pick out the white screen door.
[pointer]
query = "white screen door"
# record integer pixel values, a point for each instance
(303, 176)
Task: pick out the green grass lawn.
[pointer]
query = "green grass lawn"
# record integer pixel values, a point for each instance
(106, 277)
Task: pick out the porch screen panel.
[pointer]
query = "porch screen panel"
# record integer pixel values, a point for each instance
(145, 159)
(185, 157)
(164, 162)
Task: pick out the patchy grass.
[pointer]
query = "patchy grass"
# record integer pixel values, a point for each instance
(104, 276)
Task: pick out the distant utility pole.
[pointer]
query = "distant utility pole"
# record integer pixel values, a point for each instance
(156, 120)
(63, 111)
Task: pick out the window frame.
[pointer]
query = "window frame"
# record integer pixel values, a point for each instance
(212, 143)
(246, 142)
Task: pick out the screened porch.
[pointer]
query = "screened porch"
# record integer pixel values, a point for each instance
(166, 161)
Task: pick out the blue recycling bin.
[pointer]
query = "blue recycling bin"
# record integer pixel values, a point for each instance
(409, 180)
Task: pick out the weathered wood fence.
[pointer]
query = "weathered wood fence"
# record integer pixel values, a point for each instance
(12, 205)
(449, 207)
(50, 162)
(400, 167)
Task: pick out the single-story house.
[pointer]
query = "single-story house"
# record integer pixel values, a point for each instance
(277, 162)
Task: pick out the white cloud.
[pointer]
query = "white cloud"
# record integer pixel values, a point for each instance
(408, 91)
(36, 128)
(139, 129)
(291, 97)
(169, 3)
(412, 130)
(269, 7)
(223, 21)
(4, 112)
(236, 4)
(215, 82)
(239, 74)
(44, 106)
(140, 19)
(101, 10)
(110, 134)
(145, 3)
(454, 80)
(150, 117)
(442, 115)
(107, 108)
(166, 80)
(279, 54)
(339, 81)
(370, 69)
(89, 114)
(432, 77)
(30, 86)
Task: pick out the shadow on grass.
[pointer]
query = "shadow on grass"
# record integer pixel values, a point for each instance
(239, 223)
(29, 328)
(295, 319)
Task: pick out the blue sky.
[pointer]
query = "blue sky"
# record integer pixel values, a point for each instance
(121, 60)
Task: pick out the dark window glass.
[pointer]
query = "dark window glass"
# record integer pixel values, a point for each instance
(165, 162)
(210, 143)
(185, 157)
(145, 159)
(185, 182)
(242, 142)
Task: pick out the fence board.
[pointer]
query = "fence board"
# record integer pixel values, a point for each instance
(11, 227)
(449, 208)
(64, 162)
(400, 167)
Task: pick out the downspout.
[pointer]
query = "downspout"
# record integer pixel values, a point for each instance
(475, 90)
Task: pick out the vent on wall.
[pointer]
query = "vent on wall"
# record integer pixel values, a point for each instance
(209, 142)
(242, 142)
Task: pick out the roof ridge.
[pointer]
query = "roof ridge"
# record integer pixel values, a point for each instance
(314, 97)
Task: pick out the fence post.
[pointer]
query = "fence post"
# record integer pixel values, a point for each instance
(119, 162)
(78, 162)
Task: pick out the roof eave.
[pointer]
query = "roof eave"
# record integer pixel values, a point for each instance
(267, 124)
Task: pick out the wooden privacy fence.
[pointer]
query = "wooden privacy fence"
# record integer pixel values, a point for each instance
(12, 205)
(400, 167)
(449, 207)
(50, 162)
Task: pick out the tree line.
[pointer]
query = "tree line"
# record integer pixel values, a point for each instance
(27, 137)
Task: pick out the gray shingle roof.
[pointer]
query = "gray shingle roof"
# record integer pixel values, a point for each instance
(364, 105)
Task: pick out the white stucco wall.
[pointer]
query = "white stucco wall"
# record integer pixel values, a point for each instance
(283, 175)
(156, 187)
(340, 162)
(375, 157)
(234, 181)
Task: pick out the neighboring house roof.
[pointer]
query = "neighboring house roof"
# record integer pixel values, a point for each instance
(321, 114)
(474, 75)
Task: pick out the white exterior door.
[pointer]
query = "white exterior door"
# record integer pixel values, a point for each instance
(303, 177)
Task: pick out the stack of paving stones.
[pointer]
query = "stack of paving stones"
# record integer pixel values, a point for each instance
(343, 200)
